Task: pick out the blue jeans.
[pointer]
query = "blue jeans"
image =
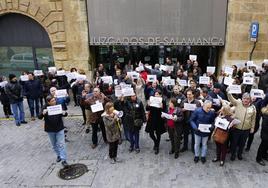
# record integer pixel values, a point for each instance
(198, 140)
(57, 140)
(18, 116)
(34, 105)
(134, 139)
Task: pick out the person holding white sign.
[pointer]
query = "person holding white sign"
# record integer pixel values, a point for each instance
(223, 123)
(95, 118)
(155, 124)
(174, 126)
(187, 114)
(55, 129)
(246, 113)
(202, 116)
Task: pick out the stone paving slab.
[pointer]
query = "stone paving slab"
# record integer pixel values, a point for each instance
(27, 160)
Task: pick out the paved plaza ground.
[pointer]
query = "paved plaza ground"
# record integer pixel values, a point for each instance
(27, 160)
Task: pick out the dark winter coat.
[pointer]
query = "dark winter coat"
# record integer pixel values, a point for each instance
(155, 122)
(33, 89)
(14, 92)
(135, 115)
(264, 125)
(53, 123)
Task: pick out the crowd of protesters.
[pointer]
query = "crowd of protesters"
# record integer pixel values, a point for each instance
(178, 98)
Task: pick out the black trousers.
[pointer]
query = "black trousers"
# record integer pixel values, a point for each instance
(262, 151)
(186, 131)
(239, 138)
(156, 137)
(175, 138)
(95, 127)
(84, 113)
(7, 109)
(250, 140)
(113, 146)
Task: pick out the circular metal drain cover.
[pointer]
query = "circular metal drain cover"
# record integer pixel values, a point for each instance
(72, 171)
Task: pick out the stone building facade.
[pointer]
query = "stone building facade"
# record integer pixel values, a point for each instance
(238, 45)
(66, 24)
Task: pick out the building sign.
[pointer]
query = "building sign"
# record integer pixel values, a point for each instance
(156, 22)
(254, 31)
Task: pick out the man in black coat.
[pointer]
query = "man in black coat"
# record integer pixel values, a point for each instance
(33, 90)
(14, 92)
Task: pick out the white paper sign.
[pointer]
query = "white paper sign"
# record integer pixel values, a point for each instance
(228, 80)
(165, 78)
(189, 106)
(167, 116)
(163, 67)
(71, 75)
(221, 123)
(248, 80)
(3, 84)
(169, 68)
(170, 82)
(38, 72)
(265, 60)
(211, 70)
(250, 64)
(204, 80)
(217, 102)
(228, 70)
(81, 77)
(156, 101)
(24, 78)
(61, 73)
(140, 69)
(149, 66)
(257, 93)
(204, 128)
(235, 89)
(54, 110)
(127, 92)
(61, 93)
(133, 75)
(52, 69)
(107, 79)
(151, 78)
(183, 83)
(118, 92)
(193, 57)
(96, 107)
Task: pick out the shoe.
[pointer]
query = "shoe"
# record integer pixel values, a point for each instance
(32, 119)
(130, 150)
(66, 140)
(93, 146)
(196, 159)
(176, 155)
(183, 149)
(112, 161)
(64, 164)
(203, 160)
(138, 150)
(261, 162)
(7, 116)
(240, 157)
(215, 160)
(118, 160)
(171, 152)
(156, 151)
(58, 159)
(154, 148)
(247, 149)
(221, 163)
(87, 130)
(232, 158)
(83, 123)
(23, 122)
(17, 124)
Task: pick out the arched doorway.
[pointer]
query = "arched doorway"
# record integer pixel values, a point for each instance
(24, 45)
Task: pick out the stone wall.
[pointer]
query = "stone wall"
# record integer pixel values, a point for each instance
(66, 24)
(238, 45)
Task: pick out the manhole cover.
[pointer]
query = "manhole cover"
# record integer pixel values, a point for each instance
(72, 171)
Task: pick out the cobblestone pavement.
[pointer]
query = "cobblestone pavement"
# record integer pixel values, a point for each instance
(27, 160)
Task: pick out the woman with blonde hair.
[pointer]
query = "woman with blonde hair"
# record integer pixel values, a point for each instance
(223, 123)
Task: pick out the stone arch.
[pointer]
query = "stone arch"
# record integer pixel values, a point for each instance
(49, 15)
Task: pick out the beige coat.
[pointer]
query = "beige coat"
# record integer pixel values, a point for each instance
(247, 115)
(112, 128)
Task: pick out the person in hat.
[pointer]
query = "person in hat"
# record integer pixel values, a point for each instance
(263, 83)
(14, 92)
(217, 96)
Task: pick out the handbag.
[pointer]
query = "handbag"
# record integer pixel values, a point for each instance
(220, 135)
